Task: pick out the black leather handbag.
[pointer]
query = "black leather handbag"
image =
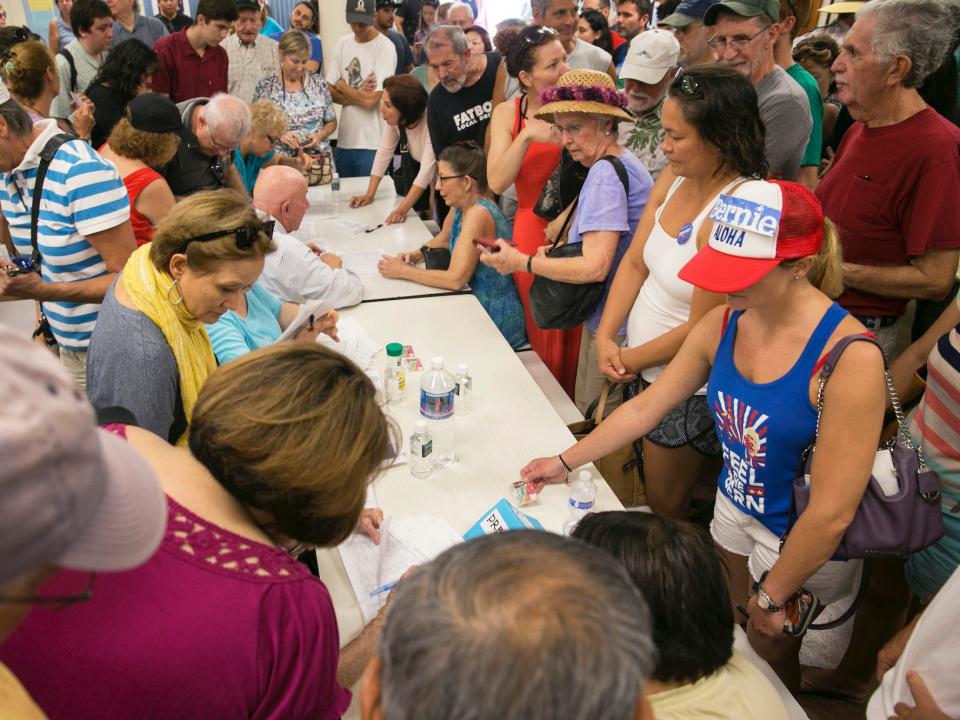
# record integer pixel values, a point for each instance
(557, 305)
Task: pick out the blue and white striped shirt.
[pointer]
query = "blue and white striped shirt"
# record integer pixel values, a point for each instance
(82, 195)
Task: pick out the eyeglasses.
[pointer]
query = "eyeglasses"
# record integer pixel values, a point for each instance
(246, 235)
(533, 36)
(572, 129)
(737, 42)
(441, 178)
(217, 146)
(57, 600)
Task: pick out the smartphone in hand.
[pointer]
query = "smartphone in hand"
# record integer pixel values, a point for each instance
(488, 244)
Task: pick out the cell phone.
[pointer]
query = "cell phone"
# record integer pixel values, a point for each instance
(487, 244)
(800, 609)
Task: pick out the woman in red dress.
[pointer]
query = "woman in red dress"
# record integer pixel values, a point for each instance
(525, 151)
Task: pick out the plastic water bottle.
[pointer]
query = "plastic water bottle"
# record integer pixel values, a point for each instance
(464, 389)
(437, 391)
(583, 492)
(335, 188)
(395, 376)
(421, 449)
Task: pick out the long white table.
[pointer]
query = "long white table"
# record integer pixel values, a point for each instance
(333, 224)
(511, 422)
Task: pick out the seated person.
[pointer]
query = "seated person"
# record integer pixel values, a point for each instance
(224, 622)
(257, 320)
(149, 351)
(519, 624)
(298, 273)
(257, 150)
(145, 139)
(106, 513)
(683, 578)
(212, 130)
(462, 182)
(127, 72)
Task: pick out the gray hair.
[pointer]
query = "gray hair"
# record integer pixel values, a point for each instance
(16, 118)
(465, 630)
(447, 35)
(229, 113)
(920, 30)
(459, 6)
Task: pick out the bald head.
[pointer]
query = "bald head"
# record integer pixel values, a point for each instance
(282, 191)
(465, 629)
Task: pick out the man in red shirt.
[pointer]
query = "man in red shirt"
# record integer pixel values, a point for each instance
(893, 186)
(192, 63)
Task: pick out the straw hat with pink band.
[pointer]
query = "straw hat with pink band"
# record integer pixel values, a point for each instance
(71, 495)
(759, 225)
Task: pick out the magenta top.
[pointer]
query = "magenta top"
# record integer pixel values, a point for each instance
(213, 626)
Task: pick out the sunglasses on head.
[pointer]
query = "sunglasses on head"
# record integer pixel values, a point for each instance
(533, 36)
(687, 83)
(245, 236)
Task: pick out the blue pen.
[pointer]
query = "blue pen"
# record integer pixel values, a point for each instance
(383, 588)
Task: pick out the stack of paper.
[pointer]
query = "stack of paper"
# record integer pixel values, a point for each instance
(404, 542)
(354, 343)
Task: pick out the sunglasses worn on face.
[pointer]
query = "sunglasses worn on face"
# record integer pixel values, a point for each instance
(246, 235)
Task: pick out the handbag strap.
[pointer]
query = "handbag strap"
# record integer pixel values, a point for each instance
(624, 180)
(826, 371)
(46, 157)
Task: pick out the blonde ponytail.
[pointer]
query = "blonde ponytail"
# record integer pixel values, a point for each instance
(826, 273)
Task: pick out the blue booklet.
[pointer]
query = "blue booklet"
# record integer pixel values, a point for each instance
(500, 518)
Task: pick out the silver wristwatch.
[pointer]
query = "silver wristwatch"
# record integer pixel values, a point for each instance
(765, 602)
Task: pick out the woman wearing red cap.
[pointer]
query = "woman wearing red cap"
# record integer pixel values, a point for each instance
(776, 258)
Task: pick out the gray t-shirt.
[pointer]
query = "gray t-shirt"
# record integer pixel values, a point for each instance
(785, 112)
(145, 29)
(130, 365)
(87, 68)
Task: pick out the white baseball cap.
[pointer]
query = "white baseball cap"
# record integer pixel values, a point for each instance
(652, 53)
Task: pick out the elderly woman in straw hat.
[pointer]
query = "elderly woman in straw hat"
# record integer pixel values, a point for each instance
(584, 109)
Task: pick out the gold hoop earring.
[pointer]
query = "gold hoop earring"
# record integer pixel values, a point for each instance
(179, 300)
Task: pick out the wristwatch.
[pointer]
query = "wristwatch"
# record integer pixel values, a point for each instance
(764, 601)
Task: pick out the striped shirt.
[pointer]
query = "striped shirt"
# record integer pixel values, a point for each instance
(935, 424)
(82, 195)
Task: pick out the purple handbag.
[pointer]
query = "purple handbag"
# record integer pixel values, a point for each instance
(886, 525)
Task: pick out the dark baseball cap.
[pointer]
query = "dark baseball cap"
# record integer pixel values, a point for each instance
(360, 11)
(687, 12)
(388, 3)
(154, 113)
(744, 8)
(248, 5)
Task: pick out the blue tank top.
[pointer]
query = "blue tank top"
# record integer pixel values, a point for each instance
(764, 428)
(496, 292)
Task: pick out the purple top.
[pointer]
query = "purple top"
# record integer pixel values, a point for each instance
(213, 626)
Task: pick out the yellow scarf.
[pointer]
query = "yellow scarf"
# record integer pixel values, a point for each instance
(149, 291)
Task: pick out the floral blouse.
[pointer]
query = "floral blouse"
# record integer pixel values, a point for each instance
(307, 110)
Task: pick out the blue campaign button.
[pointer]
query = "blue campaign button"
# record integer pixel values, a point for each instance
(685, 232)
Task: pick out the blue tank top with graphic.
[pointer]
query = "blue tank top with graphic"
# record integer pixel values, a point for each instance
(765, 427)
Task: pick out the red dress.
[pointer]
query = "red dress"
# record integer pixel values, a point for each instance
(559, 349)
(135, 182)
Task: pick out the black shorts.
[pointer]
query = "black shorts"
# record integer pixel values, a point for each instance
(690, 423)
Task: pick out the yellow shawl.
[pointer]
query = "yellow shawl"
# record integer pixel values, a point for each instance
(149, 291)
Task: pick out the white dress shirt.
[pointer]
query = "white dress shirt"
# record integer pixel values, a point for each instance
(294, 274)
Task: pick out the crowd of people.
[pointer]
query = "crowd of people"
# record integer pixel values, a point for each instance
(688, 207)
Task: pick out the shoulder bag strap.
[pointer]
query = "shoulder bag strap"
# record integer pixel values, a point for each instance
(46, 157)
(68, 56)
(624, 179)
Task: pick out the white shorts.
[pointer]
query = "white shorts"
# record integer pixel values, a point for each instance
(742, 534)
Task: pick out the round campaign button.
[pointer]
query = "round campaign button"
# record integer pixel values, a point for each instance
(685, 232)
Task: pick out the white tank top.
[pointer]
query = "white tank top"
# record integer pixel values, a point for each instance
(664, 299)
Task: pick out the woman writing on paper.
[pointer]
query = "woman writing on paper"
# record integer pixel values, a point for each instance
(223, 621)
(462, 182)
(759, 357)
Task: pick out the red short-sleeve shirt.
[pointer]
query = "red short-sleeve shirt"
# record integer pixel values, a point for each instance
(183, 74)
(894, 193)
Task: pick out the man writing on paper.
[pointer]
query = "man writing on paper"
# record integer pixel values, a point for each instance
(298, 273)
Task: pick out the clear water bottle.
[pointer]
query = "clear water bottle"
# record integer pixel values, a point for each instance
(583, 493)
(437, 390)
(395, 375)
(335, 188)
(421, 449)
(464, 389)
